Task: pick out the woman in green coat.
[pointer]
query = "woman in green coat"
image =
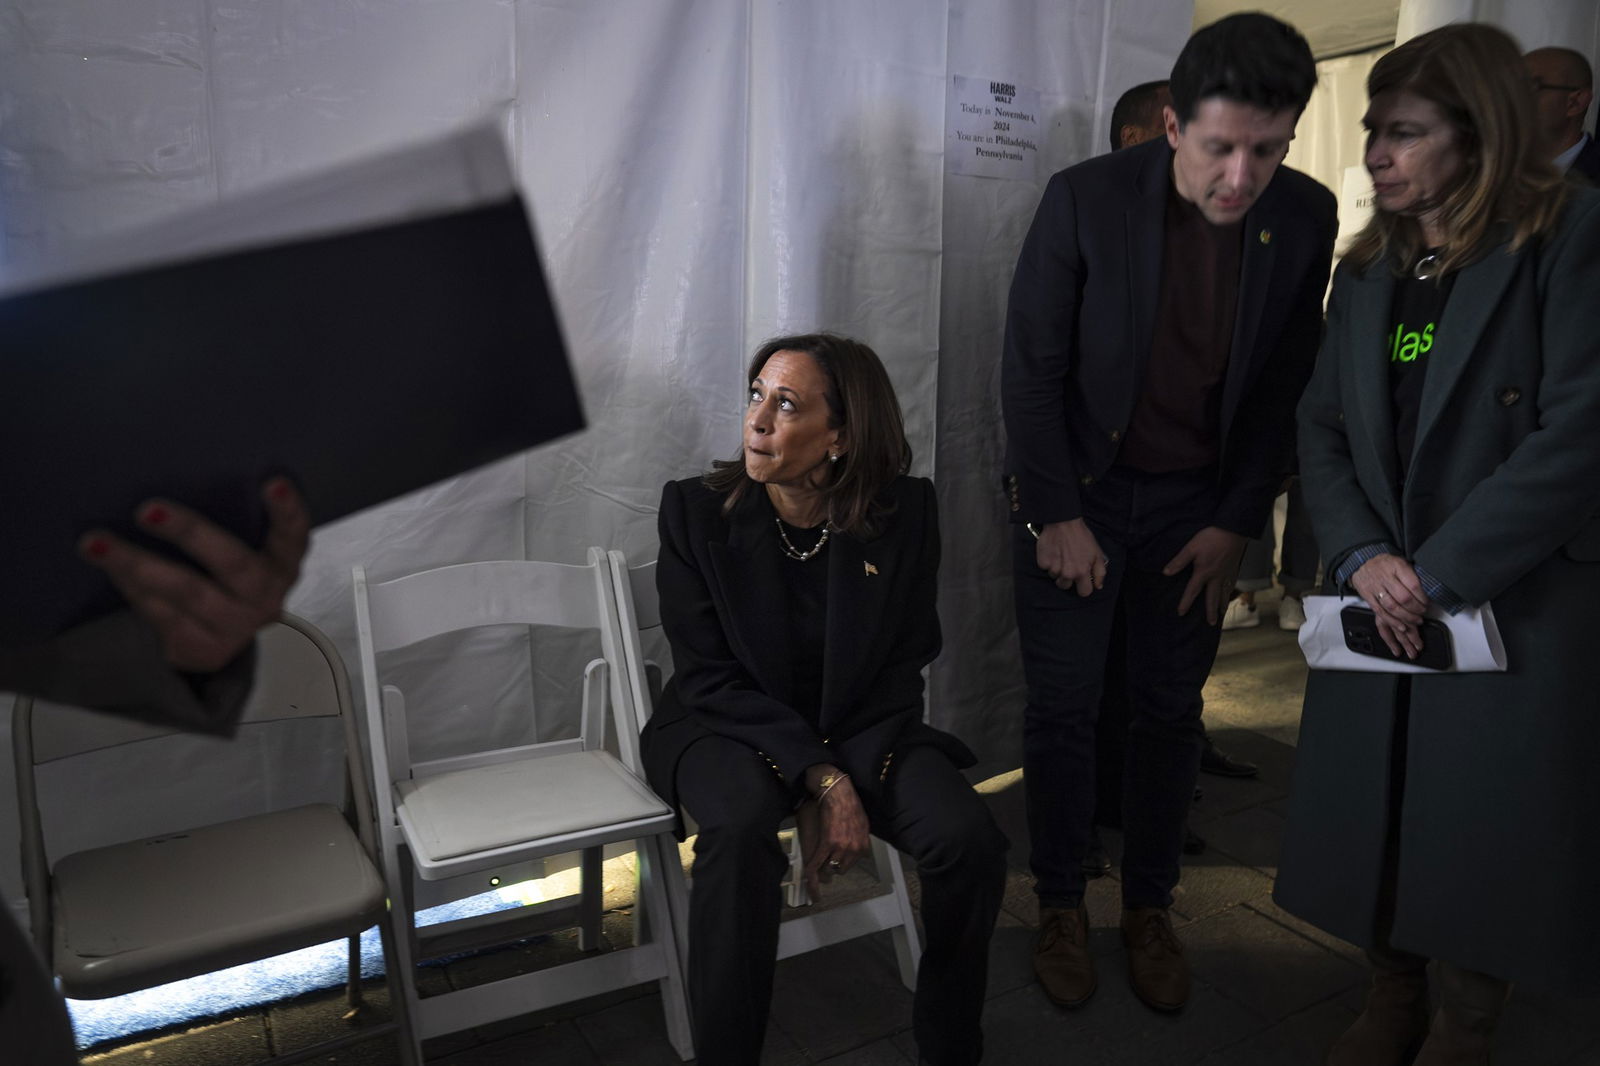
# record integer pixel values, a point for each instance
(1450, 451)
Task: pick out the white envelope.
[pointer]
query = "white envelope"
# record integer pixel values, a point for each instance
(1474, 638)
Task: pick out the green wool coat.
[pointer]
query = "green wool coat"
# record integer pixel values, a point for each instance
(1499, 838)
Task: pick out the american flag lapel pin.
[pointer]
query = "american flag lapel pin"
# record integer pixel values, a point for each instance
(872, 571)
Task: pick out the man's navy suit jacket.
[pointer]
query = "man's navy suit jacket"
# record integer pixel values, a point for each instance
(1082, 314)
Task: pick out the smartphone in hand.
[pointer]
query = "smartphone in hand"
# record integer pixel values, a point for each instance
(1362, 637)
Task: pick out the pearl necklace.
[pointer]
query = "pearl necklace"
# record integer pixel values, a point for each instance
(795, 553)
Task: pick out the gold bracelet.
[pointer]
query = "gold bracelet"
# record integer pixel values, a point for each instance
(828, 781)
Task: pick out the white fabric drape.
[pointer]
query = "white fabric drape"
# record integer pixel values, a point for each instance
(702, 173)
(1080, 57)
(1329, 136)
(1534, 23)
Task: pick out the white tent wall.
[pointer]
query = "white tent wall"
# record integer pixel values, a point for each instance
(702, 175)
(113, 115)
(1329, 137)
(1534, 23)
(1080, 57)
(846, 156)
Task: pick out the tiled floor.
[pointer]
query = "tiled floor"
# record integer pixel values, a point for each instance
(1269, 990)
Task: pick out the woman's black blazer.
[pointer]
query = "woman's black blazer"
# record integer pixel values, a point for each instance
(724, 607)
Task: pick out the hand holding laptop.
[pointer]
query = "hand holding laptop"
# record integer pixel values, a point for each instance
(369, 331)
(205, 619)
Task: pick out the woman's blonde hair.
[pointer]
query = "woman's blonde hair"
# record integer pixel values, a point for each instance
(1474, 74)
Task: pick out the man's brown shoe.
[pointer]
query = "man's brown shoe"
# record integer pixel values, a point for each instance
(1157, 969)
(1061, 957)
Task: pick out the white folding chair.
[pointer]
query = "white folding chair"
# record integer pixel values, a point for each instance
(467, 814)
(639, 611)
(130, 915)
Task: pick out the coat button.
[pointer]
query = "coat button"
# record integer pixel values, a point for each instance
(1087, 479)
(1341, 416)
(1509, 395)
(1015, 506)
(1115, 435)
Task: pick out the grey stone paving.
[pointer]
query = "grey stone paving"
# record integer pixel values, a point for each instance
(1269, 989)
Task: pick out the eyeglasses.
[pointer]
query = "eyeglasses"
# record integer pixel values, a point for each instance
(1539, 86)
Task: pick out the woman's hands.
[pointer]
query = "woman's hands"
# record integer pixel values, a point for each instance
(1392, 589)
(833, 826)
(204, 620)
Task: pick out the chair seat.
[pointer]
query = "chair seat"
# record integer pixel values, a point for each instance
(535, 805)
(272, 883)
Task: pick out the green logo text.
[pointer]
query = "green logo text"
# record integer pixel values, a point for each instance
(1405, 347)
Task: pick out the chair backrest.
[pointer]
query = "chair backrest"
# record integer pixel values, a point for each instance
(638, 611)
(306, 679)
(426, 604)
(299, 674)
(400, 612)
(646, 598)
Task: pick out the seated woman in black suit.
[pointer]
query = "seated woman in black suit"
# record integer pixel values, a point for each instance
(797, 590)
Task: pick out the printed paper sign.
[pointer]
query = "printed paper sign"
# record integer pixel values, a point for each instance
(1355, 203)
(993, 129)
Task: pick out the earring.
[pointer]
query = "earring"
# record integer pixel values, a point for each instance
(834, 457)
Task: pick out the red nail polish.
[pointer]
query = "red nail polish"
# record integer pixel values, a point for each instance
(98, 547)
(280, 490)
(156, 514)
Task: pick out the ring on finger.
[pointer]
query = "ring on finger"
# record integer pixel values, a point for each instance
(834, 863)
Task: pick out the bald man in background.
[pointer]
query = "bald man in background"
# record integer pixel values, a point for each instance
(1137, 117)
(1563, 87)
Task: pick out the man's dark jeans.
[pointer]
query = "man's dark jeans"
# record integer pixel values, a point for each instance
(1140, 521)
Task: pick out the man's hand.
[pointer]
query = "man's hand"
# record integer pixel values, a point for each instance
(834, 832)
(205, 619)
(1071, 555)
(1393, 590)
(1214, 553)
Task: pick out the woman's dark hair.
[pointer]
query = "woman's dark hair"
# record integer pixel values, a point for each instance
(861, 403)
(1474, 74)
(1249, 58)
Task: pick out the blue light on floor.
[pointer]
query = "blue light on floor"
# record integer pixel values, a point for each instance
(253, 984)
